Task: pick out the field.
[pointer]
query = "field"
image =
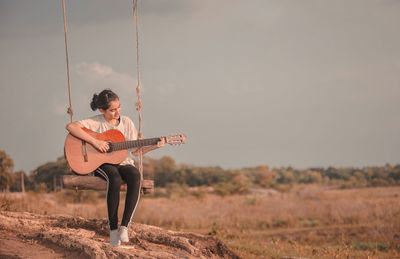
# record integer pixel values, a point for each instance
(308, 221)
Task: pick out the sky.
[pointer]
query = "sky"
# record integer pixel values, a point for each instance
(280, 83)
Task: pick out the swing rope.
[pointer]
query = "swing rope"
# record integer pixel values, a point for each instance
(69, 111)
(138, 87)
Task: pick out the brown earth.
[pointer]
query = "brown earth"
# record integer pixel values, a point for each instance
(27, 235)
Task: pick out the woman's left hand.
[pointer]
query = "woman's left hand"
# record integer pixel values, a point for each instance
(161, 143)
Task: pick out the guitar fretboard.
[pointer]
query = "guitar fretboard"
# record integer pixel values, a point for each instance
(133, 144)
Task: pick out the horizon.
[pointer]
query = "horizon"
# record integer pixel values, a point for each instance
(183, 164)
(281, 83)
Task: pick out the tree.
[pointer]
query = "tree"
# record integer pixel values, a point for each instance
(6, 168)
(310, 176)
(163, 170)
(265, 177)
(395, 173)
(46, 173)
(148, 167)
(20, 181)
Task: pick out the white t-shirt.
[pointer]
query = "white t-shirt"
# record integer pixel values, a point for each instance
(98, 124)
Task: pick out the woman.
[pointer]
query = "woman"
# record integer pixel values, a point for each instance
(108, 104)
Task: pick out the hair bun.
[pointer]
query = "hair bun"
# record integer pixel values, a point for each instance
(94, 103)
(103, 99)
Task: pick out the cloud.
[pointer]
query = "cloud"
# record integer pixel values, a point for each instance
(59, 106)
(98, 77)
(96, 73)
(93, 77)
(167, 88)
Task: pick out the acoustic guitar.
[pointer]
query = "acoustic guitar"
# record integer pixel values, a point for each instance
(83, 158)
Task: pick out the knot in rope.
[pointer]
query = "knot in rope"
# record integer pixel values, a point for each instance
(139, 101)
(70, 111)
(139, 106)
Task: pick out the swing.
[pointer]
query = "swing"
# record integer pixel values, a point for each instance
(77, 151)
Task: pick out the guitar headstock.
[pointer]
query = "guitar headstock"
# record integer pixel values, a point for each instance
(175, 139)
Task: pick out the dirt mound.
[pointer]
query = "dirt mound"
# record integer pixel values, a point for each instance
(66, 236)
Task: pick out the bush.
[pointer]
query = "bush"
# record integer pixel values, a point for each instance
(230, 188)
(174, 189)
(72, 196)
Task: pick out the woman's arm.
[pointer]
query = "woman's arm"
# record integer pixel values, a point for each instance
(75, 128)
(159, 144)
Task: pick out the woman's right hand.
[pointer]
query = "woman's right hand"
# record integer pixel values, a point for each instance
(101, 145)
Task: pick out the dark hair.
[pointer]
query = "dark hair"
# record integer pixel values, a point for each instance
(102, 101)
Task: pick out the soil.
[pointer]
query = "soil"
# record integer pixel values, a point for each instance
(27, 235)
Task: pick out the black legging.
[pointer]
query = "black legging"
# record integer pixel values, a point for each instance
(114, 174)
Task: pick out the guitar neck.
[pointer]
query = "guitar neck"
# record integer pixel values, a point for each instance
(115, 146)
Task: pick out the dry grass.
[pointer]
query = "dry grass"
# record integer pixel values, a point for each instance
(308, 221)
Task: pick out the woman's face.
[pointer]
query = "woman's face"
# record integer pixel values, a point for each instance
(113, 112)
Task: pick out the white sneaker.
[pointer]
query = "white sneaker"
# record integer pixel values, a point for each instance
(123, 234)
(114, 238)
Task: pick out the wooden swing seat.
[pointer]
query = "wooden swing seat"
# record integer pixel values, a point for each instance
(86, 182)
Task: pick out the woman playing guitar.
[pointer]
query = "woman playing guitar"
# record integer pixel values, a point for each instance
(108, 104)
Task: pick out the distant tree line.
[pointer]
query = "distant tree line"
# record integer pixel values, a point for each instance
(166, 172)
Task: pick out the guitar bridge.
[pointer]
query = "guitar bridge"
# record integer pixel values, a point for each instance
(84, 151)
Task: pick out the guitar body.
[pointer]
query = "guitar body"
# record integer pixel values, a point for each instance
(83, 158)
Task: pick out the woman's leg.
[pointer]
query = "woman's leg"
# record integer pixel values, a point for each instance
(110, 173)
(131, 176)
